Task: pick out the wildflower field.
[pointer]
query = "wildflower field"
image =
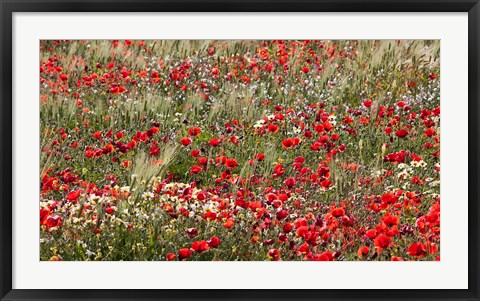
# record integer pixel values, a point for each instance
(245, 150)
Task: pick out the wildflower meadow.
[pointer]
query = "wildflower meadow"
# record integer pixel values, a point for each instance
(240, 150)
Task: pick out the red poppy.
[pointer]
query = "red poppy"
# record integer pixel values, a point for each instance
(184, 253)
(214, 142)
(259, 157)
(290, 182)
(325, 183)
(304, 248)
(319, 128)
(44, 214)
(192, 232)
(53, 221)
(171, 256)
(195, 170)
(108, 149)
(210, 215)
(281, 214)
(245, 79)
(325, 256)
(231, 163)
(288, 143)
(273, 128)
(388, 198)
(417, 249)
(372, 233)
(391, 220)
(195, 153)
(316, 146)
(363, 251)
(229, 223)
(300, 159)
(430, 132)
(401, 133)
(185, 141)
(302, 231)
(214, 242)
(367, 103)
(202, 160)
(287, 228)
(194, 131)
(73, 195)
(382, 241)
(274, 254)
(337, 212)
(299, 222)
(200, 246)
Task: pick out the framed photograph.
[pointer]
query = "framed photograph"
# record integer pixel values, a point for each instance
(243, 149)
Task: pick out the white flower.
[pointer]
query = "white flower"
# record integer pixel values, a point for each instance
(332, 119)
(147, 195)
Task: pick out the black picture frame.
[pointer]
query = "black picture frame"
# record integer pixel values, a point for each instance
(8, 7)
